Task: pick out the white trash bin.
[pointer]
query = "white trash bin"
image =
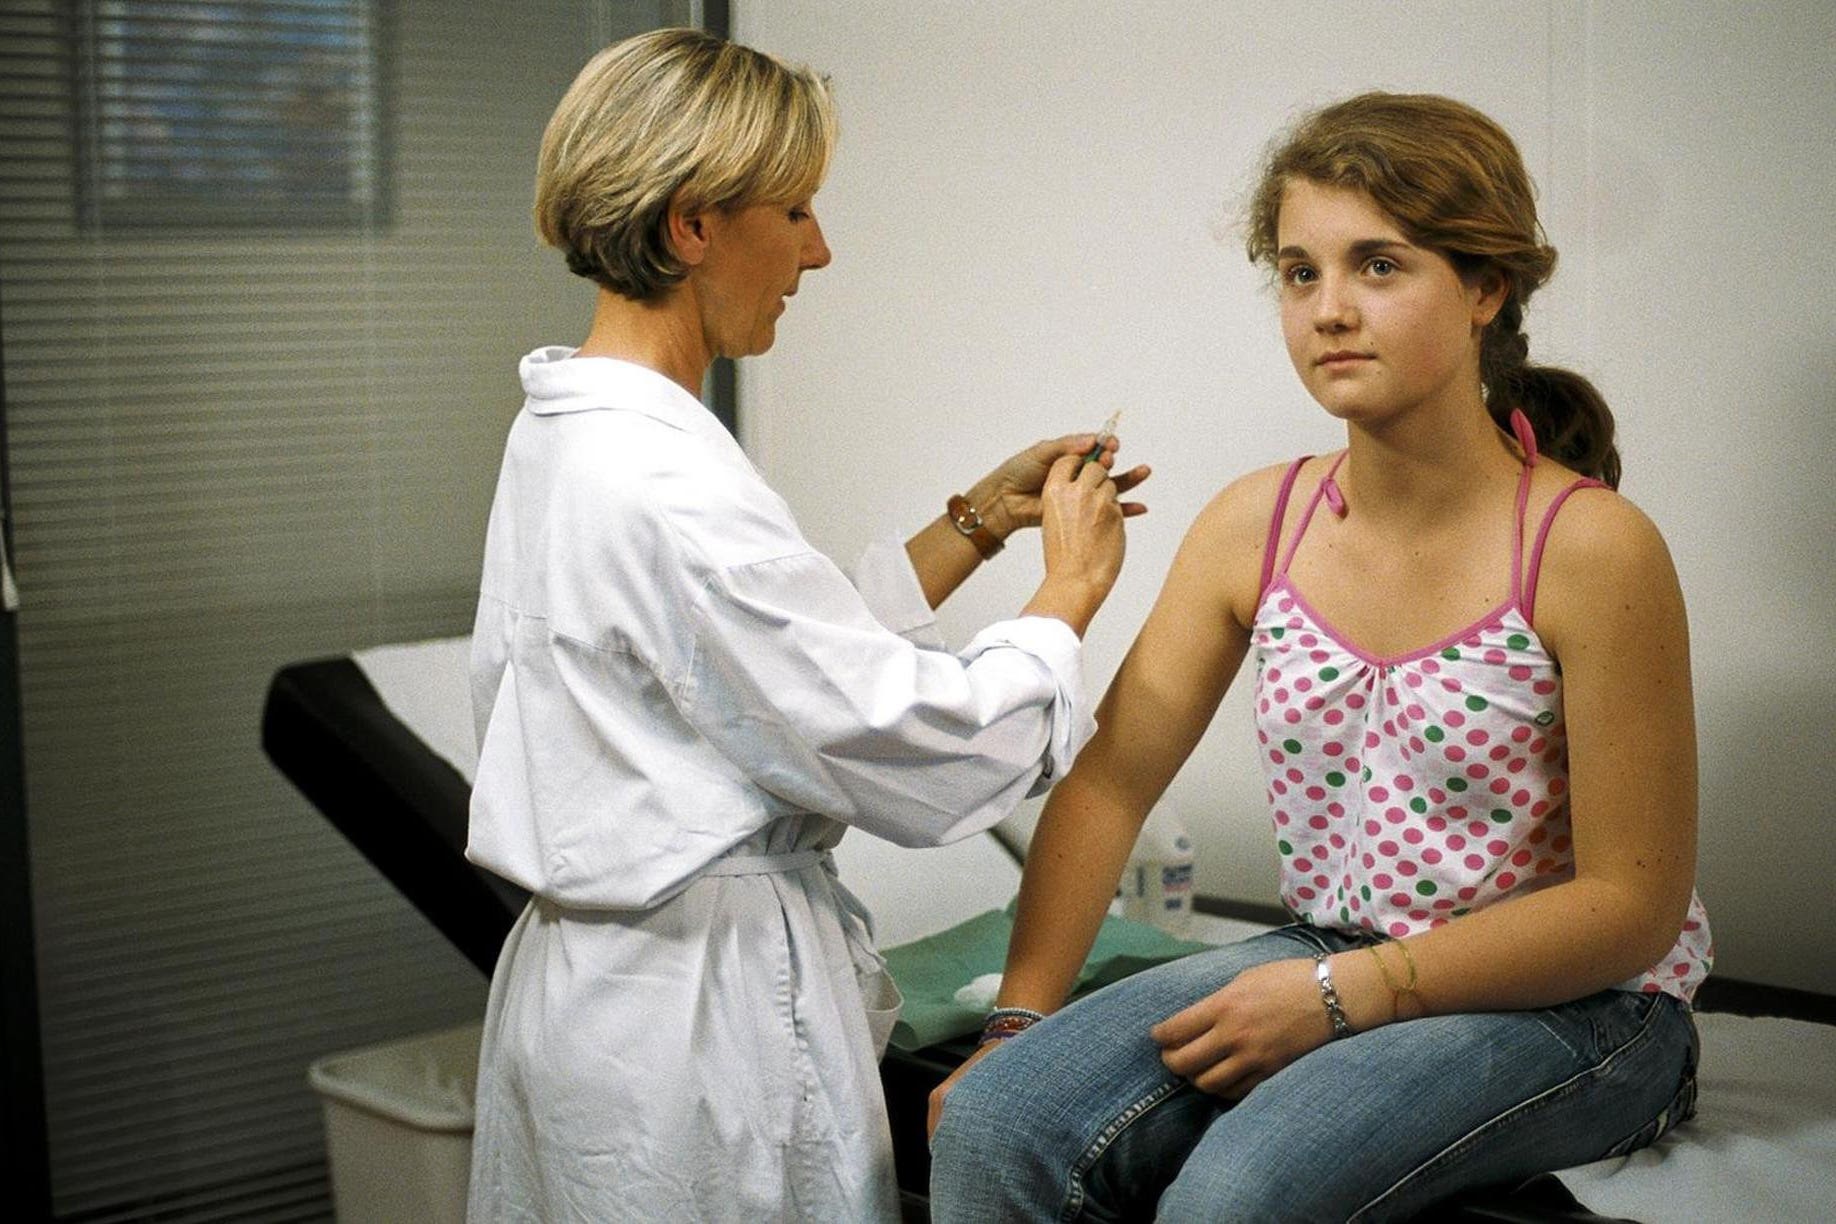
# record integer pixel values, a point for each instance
(398, 1127)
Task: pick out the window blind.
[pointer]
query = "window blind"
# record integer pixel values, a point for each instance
(236, 446)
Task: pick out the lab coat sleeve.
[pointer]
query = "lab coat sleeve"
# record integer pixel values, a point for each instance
(889, 586)
(795, 682)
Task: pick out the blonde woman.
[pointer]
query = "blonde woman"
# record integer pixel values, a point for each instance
(681, 704)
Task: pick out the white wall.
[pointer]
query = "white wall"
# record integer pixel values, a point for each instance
(1030, 219)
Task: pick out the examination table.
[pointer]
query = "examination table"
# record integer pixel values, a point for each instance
(381, 742)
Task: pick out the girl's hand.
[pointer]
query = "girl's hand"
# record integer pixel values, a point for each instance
(1008, 497)
(935, 1113)
(1231, 1040)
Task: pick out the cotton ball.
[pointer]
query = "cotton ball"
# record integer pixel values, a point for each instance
(980, 993)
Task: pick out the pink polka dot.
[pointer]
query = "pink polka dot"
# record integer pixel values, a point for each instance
(1477, 737)
(1388, 849)
(1494, 656)
(1263, 705)
(1304, 893)
(1406, 868)
(1316, 822)
(1372, 827)
(1518, 672)
(1296, 776)
(1319, 656)
(1355, 701)
(1413, 836)
(1467, 894)
(1335, 809)
(1316, 793)
(1404, 782)
(1505, 880)
(1456, 841)
(1276, 756)
(1543, 688)
(1334, 717)
(1412, 680)
(1500, 786)
(1474, 862)
(1303, 685)
(1399, 929)
(1431, 666)
(1399, 900)
(1281, 817)
(1282, 694)
(1431, 856)
(1371, 739)
(1476, 771)
(1285, 605)
(1332, 748)
(1395, 815)
(1437, 822)
(1500, 751)
(1454, 718)
(1382, 880)
(1314, 703)
(1292, 716)
(1521, 858)
(1279, 787)
(1498, 847)
(1519, 798)
(1455, 753)
(1308, 640)
(1368, 859)
(1379, 793)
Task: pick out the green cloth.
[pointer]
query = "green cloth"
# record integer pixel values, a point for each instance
(930, 971)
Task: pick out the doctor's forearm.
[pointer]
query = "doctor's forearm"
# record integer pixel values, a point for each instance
(942, 557)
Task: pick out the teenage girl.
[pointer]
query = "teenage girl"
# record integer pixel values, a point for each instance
(1472, 706)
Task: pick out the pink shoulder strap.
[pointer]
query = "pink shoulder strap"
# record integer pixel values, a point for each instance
(1542, 535)
(1273, 543)
(1327, 491)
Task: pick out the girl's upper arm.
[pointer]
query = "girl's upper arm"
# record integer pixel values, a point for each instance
(1610, 610)
(1190, 647)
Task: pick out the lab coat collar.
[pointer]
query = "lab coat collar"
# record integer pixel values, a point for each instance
(556, 381)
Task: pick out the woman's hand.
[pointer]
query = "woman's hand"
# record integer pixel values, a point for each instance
(1081, 522)
(1233, 1039)
(935, 1114)
(1009, 497)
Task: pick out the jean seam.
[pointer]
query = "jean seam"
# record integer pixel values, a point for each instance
(1074, 1193)
(1542, 1100)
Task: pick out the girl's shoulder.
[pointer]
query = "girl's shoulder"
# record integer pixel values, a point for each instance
(1227, 542)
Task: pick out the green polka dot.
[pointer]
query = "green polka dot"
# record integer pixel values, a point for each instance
(1501, 816)
(1365, 892)
(1278, 634)
(1426, 888)
(1344, 915)
(1292, 745)
(1284, 847)
(1545, 718)
(1329, 673)
(1418, 805)
(1456, 784)
(1462, 912)
(1366, 775)
(1451, 653)
(1517, 641)
(1335, 778)
(1434, 735)
(1476, 703)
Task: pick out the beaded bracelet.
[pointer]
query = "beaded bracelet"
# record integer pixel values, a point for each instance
(1004, 1022)
(1322, 973)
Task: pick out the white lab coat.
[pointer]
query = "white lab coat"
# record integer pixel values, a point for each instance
(680, 705)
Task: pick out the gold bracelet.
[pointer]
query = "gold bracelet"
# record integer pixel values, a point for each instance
(1396, 992)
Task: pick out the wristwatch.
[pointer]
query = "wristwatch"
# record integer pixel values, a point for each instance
(968, 520)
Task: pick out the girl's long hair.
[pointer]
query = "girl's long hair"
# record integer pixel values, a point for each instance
(1454, 182)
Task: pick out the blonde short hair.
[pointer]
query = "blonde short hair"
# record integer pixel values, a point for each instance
(673, 115)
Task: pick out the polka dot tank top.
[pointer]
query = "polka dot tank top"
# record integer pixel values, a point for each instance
(1410, 790)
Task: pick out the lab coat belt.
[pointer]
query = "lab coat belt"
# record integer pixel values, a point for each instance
(763, 864)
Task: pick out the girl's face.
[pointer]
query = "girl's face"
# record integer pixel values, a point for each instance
(1374, 324)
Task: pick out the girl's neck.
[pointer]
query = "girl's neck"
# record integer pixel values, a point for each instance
(662, 335)
(1426, 468)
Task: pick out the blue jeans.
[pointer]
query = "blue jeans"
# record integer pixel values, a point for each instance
(1076, 1119)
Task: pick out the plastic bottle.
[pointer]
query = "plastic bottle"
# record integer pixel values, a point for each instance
(1156, 885)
